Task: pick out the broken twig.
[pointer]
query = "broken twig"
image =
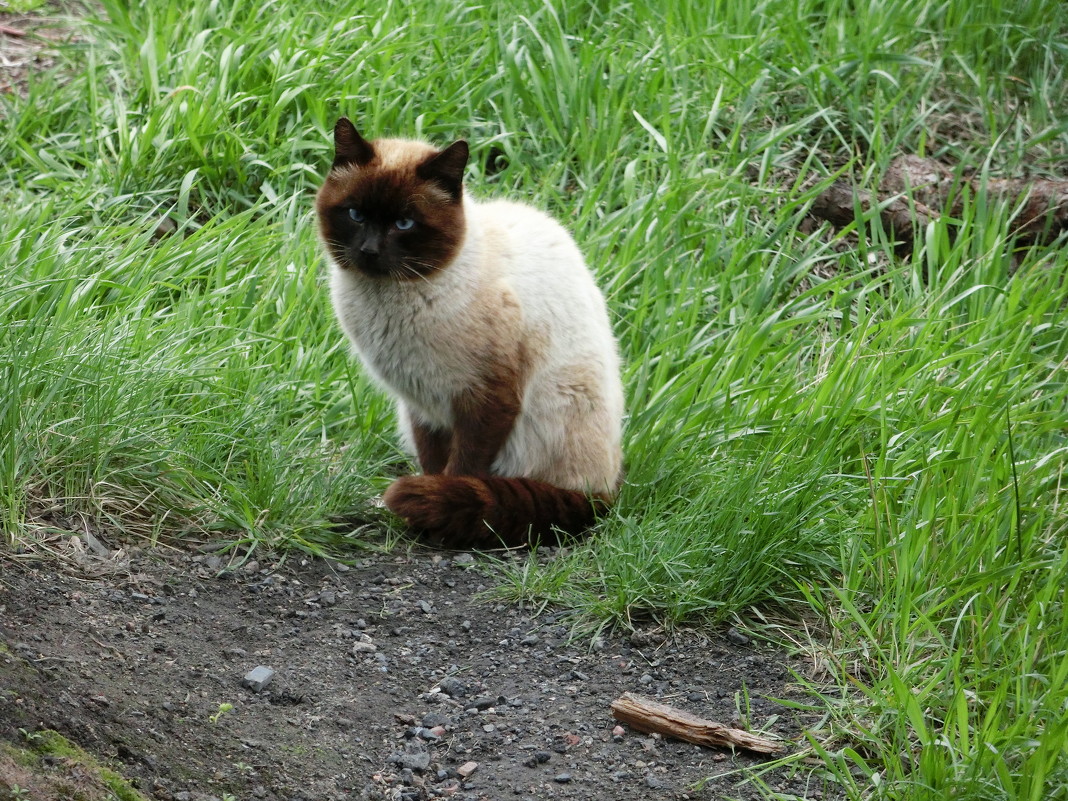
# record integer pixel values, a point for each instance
(651, 716)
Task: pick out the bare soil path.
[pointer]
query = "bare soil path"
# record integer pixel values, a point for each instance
(390, 678)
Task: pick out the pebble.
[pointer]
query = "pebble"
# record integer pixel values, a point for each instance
(467, 769)
(414, 757)
(463, 559)
(363, 647)
(562, 778)
(737, 637)
(432, 719)
(258, 678)
(450, 685)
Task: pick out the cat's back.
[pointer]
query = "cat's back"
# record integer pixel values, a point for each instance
(536, 255)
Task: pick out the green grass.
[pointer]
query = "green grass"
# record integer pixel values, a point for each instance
(818, 430)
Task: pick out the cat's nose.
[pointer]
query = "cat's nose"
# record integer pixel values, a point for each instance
(371, 245)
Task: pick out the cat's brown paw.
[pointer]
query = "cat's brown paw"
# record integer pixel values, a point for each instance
(447, 510)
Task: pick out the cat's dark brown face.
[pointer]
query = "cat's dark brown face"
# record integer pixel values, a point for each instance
(392, 208)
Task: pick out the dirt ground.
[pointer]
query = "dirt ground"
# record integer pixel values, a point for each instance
(390, 677)
(28, 42)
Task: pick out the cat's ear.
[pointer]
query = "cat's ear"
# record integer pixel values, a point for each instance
(349, 146)
(446, 168)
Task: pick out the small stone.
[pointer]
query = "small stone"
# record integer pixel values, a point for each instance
(737, 637)
(541, 757)
(426, 606)
(645, 679)
(653, 782)
(466, 625)
(529, 640)
(363, 647)
(328, 597)
(489, 728)
(562, 778)
(485, 702)
(414, 757)
(432, 719)
(258, 678)
(450, 685)
(463, 559)
(235, 653)
(618, 733)
(165, 227)
(467, 768)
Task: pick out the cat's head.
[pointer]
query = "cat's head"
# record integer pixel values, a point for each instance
(392, 208)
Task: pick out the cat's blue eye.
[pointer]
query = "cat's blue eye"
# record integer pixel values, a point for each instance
(356, 215)
(404, 224)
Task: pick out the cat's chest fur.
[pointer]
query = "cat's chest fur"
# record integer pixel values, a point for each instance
(429, 340)
(407, 336)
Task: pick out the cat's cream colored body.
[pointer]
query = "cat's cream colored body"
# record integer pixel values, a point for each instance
(518, 279)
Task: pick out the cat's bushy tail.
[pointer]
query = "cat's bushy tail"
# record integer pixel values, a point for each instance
(471, 512)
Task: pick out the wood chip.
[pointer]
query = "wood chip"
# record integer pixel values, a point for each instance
(651, 716)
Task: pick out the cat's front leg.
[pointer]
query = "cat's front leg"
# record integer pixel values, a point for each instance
(432, 447)
(483, 418)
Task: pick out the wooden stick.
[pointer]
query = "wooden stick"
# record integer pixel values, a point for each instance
(1042, 202)
(650, 716)
(838, 203)
(916, 190)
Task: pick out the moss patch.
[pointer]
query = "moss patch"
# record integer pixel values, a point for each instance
(51, 766)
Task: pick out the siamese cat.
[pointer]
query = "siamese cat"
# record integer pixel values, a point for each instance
(483, 323)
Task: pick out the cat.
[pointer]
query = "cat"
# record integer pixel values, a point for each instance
(484, 325)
